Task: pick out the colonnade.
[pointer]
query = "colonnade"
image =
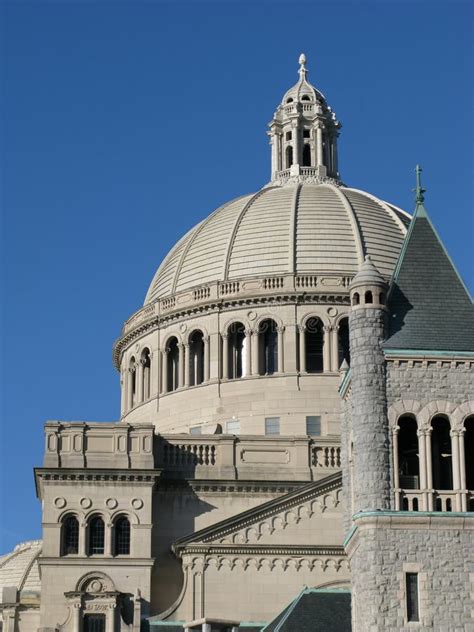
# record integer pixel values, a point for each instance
(424, 495)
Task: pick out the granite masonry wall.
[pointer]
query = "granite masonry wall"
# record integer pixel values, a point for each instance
(439, 549)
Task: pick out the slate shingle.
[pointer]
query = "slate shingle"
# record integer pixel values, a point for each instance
(430, 309)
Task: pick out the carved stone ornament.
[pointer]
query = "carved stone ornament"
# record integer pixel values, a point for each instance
(183, 327)
(111, 503)
(252, 315)
(137, 503)
(85, 503)
(60, 502)
(332, 311)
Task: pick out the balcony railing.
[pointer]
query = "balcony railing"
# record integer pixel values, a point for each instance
(247, 457)
(434, 500)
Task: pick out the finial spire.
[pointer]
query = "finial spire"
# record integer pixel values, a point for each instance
(302, 62)
(419, 191)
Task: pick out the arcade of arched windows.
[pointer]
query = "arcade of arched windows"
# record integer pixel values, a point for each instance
(95, 536)
(243, 351)
(433, 463)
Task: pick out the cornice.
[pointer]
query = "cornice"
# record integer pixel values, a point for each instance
(222, 305)
(50, 475)
(228, 486)
(252, 549)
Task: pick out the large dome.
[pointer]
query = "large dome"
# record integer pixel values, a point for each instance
(19, 571)
(299, 228)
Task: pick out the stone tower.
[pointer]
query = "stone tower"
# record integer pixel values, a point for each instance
(407, 441)
(369, 446)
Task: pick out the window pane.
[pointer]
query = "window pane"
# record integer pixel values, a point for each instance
(96, 536)
(94, 623)
(233, 426)
(412, 597)
(71, 536)
(313, 426)
(272, 425)
(122, 537)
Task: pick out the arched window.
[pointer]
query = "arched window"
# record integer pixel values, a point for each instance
(133, 382)
(441, 453)
(122, 536)
(381, 298)
(343, 342)
(306, 156)
(96, 536)
(289, 100)
(237, 342)
(314, 342)
(305, 97)
(172, 365)
(356, 298)
(70, 536)
(368, 297)
(196, 358)
(146, 368)
(268, 347)
(408, 455)
(469, 452)
(289, 156)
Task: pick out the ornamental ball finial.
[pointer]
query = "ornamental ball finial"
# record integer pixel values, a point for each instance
(302, 59)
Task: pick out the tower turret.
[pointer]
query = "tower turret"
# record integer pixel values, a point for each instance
(304, 133)
(369, 451)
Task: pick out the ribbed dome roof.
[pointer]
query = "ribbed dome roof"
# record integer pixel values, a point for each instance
(293, 229)
(19, 568)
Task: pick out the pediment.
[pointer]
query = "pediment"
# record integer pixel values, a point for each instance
(307, 516)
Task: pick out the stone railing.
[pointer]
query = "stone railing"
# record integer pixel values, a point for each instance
(247, 457)
(434, 500)
(329, 283)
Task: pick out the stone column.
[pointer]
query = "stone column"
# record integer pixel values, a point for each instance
(110, 618)
(225, 356)
(139, 382)
(82, 538)
(429, 469)
(76, 616)
(253, 352)
(462, 469)
(123, 392)
(9, 619)
(327, 348)
(108, 539)
(335, 157)
(396, 475)
(281, 363)
(456, 465)
(207, 358)
(186, 365)
(319, 147)
(422, 467)
(164, 371)
(334, 348)
(181, 365)
(302, 348)
(130, 388)
(296, 143)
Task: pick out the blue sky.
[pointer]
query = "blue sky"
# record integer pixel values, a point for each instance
(125, 123)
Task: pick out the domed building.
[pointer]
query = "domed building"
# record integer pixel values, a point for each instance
(296, 431)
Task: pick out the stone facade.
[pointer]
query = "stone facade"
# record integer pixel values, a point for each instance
(258, 452)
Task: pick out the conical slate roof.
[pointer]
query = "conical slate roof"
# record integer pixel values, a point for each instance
(368, 274)
(430, 307)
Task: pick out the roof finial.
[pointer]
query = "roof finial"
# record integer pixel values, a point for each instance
(302, 62)
(419, 191)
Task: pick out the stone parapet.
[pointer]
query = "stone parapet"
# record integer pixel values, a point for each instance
(234, 457)
(98, 445)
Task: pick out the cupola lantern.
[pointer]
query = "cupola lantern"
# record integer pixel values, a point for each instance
(303, 134)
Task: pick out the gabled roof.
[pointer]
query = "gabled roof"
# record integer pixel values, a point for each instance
(231, 525)
(315, 610)
(430, 307)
